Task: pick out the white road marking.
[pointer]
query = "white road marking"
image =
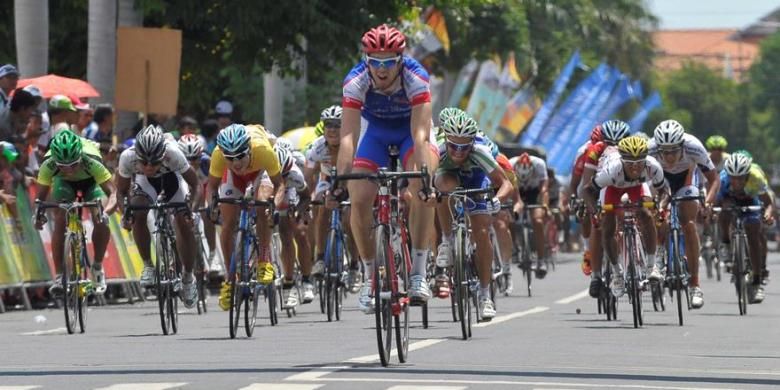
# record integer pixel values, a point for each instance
(575, 297)
(281, 386)
(412, 347)
(18, 387)
(308, 375)
(45, 332)
(500, 319)
(144, 386)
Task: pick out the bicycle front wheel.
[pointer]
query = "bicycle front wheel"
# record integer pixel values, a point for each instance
(84, 286)
(461, 283)
(162, 283)
(251, 298)
(739, 274)
(402, 260)
(383, 311)
(236, 290)
(70, 283)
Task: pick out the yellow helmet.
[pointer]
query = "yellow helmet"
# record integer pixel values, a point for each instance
(633, 148)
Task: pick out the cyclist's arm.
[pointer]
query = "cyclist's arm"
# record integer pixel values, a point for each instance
(573, 184)
(310, 175)
(213, 187)
(713, 185)
(545, 193)
(498, 178)
(42, 191)
(421, 131)
(110, 190)
(192, 181)
(122, 189)
(350, 125)
(281, 189)
(769, 210)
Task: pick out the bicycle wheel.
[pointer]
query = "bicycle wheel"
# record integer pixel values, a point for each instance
(461, 286)
(677, 280)
(251, 299)
(236, 290)
(321, 287)
(383, 295)
(453, 295)
(332, 274)
(85, 285)
(200, 276)
(162, 283)
(526, 262)
(402, 264)
(174, 272)
(70, 281)
(739, 275)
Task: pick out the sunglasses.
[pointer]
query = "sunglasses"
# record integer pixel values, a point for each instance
(69, 165)
(332, 124)
(456, 147)
(634, 163)
(235, 157)
(150, 163)
(670, 150)
(382, 62)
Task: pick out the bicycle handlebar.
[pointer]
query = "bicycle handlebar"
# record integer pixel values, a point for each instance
(677, 199)
(158, 206)
(246, 202)
(382, 175)
(741, 209)
(43, 205)
(634, 205)
(465, 192)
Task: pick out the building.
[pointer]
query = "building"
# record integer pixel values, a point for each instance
(722, 50)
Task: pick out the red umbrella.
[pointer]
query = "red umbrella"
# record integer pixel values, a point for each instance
(51, 85)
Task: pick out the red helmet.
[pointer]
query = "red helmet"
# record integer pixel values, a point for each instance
(596, 135)
(523, 165)
(383, 39)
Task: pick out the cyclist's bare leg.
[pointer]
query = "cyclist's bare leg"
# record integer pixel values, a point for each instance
(304, 247)
(288, 248)
(321, 225)
(345, 217)
(100, 236)
(480, 233)
(421, 216)
(537, 220)
(58, 239)
(647, 228)
(227, 236)
(503, 236)
(141, 233)
(608, 226)
(596, 247)
(753, 231)
(688, 211)
(185, 236)
(263, 223)
(209, 231)
(362, 194)
(445, 183)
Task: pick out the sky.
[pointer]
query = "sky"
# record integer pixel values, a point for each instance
(676, 14)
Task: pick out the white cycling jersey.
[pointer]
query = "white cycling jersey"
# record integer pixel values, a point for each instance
(693, 155)
(173, 161)
(294, 179)
(613, 175)
(535, 178)
(318, 153)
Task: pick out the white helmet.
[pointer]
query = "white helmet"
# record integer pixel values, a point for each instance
(669, 133)
(458, 123)
(284, 157)
(330, 113)
(737, 164)
(284, 143)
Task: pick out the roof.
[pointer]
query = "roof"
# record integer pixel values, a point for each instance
(763, 27)
(715, 48)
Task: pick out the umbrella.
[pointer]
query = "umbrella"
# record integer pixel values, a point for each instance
(301, 137)
(52, 84)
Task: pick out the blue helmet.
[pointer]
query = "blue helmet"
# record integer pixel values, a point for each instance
(233, 140)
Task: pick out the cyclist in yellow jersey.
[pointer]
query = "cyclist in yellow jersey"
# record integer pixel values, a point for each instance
(244, 155)
(73, 164)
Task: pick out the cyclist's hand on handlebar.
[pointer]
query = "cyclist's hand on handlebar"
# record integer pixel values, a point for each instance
(493, 205)
(127, 221)
(334, 197)
(39, 219)
(769, 217)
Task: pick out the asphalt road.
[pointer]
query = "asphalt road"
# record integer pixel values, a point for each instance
(534, 343)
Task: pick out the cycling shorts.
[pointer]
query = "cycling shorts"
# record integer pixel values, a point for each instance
(375, 139)
(65, 190)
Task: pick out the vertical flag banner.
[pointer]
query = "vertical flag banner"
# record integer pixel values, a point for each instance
(651, 103)
(518, 113)
(531, 135)
(438, 26)
(462, 84)
(623, 93)
(508, 84)
(484, 89)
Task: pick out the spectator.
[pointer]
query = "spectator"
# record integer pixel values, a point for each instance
(101, 130)
(187, 125)
(224, 114)
(9, 77)
(13, 119)
(33, 135)
(208, 132)
(85, 113)
(62, 113)
(42, 106)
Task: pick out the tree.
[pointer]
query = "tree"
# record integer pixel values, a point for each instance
(32, 36)
(101, 57)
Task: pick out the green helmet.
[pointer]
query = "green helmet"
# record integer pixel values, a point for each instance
(458, 123)
(65, 147)
(448, 113)
(744, 153)
(716, 142)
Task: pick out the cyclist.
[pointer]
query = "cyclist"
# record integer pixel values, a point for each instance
(628, 174)
(192, 147)
(743, 184)
(576, 186)
(292, 234)
(532, 183)
(320, 156)
(71, 165)
(155, 165)
(387, 101)
(681, 155)
(244, 155)
(469, 165)
(716, 146)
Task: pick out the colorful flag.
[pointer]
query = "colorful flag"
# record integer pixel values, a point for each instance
(517, 114)
(462, 84)
(539, 121)
(483, 94)
(438, 25)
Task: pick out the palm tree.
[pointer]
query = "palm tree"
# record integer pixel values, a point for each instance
(101, 52)
(31, 18)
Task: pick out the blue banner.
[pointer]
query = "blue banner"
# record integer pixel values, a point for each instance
(620, 96)
(643, 111)
(533, 131)
(580, 128)
(636, 90)
(571, 110)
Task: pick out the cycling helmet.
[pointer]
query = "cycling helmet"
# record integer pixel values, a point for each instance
(596, 135)
(233, 140)
(66, 147)
(744, 153)
(716, 142)
(614, 130)
(738, 164)
(285, 157)
(331, 113)
(669, 133)
(523, 166)
(150, 144)
(9, 151)
(284, 143)
(447, 113)
(633, 148)
(460, 124)
(191, 146)
(383, 39)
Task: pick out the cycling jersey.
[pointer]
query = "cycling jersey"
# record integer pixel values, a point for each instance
(204, 163)
(414, 90)
(597, 155)
(173, 161)
(537, 176)
(471, 173)
(91, 167)
(613, 175)
(318, 153)
(755, 186)
(579, 159)
(261, 156)
(693, 155)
